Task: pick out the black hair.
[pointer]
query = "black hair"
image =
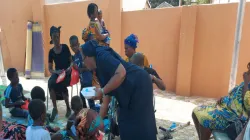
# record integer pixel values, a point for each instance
(38, 93)
(99, 11)
(36, 109)
(54, 29)
(76, 103)
(73, 37)
(138, 59)
(11, 72)
(91, 9)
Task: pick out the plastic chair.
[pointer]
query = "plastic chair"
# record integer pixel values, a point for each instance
(71, 94)
(220, 135)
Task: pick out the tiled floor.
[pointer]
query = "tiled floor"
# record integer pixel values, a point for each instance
(170, 108)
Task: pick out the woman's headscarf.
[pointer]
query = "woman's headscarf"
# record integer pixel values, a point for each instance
(132, 41)
(54, 29)
(88, 124)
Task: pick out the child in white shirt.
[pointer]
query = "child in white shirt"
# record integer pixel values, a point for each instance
(37, 112)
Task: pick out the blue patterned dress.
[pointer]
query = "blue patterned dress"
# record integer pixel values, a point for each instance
(232, 108)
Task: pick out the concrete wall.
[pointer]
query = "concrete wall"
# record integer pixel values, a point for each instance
(190, 47)
(158, 36)
(14, 15)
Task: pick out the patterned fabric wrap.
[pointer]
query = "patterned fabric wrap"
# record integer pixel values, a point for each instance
(13, 131)
(247, 100)
(90, 33)
(89, 124)
(231, 109)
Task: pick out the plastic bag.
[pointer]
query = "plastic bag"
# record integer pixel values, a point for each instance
(74, 77)
(61, 77)
(26, 105)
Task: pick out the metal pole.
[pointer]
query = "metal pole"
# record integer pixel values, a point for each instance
(238, 30)
(2, 73)
(180, 2)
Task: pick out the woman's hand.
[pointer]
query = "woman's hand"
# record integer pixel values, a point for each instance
(58, 72)
(219, 101)
(68, 71)
(28, 99)
(98, 94)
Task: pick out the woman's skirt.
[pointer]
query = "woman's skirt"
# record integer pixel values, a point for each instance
(209, 117)
(59, 88)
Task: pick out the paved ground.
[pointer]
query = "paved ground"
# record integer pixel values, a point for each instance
(170, 108)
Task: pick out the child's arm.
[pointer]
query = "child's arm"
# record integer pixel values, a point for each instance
(70, 121)
(23, 97)
(104, 107)
(100, 36)
(8, 104)
(84, 69)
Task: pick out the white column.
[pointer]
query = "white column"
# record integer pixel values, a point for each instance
(238, 30)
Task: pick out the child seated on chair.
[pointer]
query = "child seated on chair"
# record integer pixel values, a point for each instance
(69, 131)
(37, 112)
(38, 93)
(85, 74)
(14, 97)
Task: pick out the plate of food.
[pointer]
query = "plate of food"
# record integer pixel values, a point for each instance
(88, 92)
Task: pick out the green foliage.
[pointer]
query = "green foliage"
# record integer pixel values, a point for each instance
(155, 3)
(203, 1)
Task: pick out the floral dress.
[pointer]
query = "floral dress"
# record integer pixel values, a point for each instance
(13, 131)
(90, 33)
(232, 108)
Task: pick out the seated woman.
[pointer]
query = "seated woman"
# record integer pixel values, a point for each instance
(228, 111)
(138, 59)
(130, 48)
(62, 58)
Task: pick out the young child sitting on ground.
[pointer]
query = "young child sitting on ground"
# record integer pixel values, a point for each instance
(85, 74)
(14, 97)
(38, 93)
(70, 130)
(37, 112)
